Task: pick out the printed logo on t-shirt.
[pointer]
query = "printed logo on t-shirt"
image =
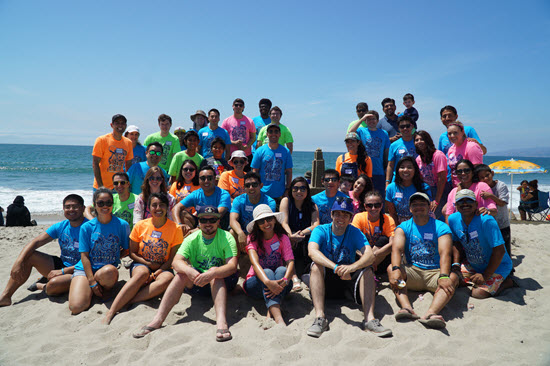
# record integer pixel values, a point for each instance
(116, 160)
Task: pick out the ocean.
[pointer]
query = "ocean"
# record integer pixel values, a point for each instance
(45, 174)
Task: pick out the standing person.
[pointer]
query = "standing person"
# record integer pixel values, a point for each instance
(132, 132)
(336, 274)
(205, 264)
(102, 242)
(300, 217)
(274, 164)
(217, 160)
(233, 180)
(56, 270)
(401, 147)
(462, 148)
(361, 109)
(389, 122)
(362, 185)
(410, 111)
(180, 134)
(433, 169)
(199, 120)
(486, 265)
(449, 115)
(154, 182)
(241, 130)
(153, 245)
(137, 172)
(263, 119)
(211, 131)
(356, 161)
(18, 214)
(377, 144)
(272, 261)
(170, 143)
(426, 245)
(325, 199)
(285, 139)
(407, 182)
(192, 142)
(187, 182)
(110, 154)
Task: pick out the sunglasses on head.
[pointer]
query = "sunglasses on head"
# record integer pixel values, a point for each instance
(155, 179)
(120, 183)
(206, 178)
(188, 169)
(104, 203)
(299, 189)
(331, 179)
(464, 171)
(262, 221)
(204, 220)
(373, 205)
(253, 184)
(157, 153)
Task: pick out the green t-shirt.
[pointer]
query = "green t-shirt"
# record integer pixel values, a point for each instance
(124, 210)
(178, 160)
(363, 124)
(286, 136)
(202, 256)
(170, 146)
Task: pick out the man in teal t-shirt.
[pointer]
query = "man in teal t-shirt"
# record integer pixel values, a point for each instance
(170, 143)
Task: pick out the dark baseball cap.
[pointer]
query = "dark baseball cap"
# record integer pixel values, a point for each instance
(118, 116)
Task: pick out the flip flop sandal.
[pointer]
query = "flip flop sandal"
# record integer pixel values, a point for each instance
(143, 332)
(297, 285)
(220, 337)
(406, 313)
(432, 322)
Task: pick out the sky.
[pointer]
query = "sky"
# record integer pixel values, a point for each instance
(67, 67)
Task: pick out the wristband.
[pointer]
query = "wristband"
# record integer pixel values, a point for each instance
(395, 268)
(285, 279)
(455, 264)
(440, 277)
(94, 285)
(436, 203)
(63, 270)
(387, 181)
(334, 269)
(310, 231)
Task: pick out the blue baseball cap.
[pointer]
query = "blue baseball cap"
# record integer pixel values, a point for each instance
(343, 204)
(208, 211)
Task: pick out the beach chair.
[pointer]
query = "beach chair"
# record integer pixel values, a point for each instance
(542, 210)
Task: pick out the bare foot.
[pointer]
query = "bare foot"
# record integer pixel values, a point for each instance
(107, 319)
(5, 301)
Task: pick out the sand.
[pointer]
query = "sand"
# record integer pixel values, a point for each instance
(512, 329)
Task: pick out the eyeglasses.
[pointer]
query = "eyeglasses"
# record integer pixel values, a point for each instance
(157, 153)
(262, 221)
(239, 161)
(188, 169)
(211, 220)
(405, 126)
(238, 105)
(299, 189)
(155, 179)
(104, 203)
(333, 179)
(249, 185)
(373, 205)
(207, 178)
(463, 171)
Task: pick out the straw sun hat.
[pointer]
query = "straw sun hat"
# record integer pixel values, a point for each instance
(260, 212)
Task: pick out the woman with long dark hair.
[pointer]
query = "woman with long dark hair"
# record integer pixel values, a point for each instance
(153, 182)
(362, 185)
(187, 181)
(462, 148)
(356, 161)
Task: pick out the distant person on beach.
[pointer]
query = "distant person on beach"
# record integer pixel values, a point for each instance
(325, 199)
(112, 153)
(241, 129)
(401, 147)
(132, 132)
(170, 143)
(1, 216)
(137, 172)
(102, 242)
(335, 273)
(523, 189)
(154, 182)
(285, 139)
(377, 145)
(410, 111)
(529, 202)
(263, 119)
(462, 148)
(180, 133)
(356, 161)
(199, 120)
(449, 115)
(192, 153)
(486, 264)
(57, 271)
(217, 161)
(360, 109)
(389, 122)
(205, 264)
(210, 132)
(426, 245)
(18, 214)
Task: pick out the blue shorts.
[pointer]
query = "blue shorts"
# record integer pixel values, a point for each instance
(230, 283)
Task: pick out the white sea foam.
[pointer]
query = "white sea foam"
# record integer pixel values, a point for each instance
(41, 202)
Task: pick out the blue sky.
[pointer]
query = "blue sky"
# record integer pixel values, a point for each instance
(68, 66)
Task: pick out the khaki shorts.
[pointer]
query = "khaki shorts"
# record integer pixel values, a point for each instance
(419, 279)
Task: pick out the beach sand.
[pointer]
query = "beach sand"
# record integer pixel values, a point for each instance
(512, 329)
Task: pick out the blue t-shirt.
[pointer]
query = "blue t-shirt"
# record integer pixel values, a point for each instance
(68, 239)
(242, 206)
(478, 240)
(399, 149)
(137, 172)
(339, 249)
(259, 122)
(324, 204)
(375, 142)
(421, 246)
(197, 199)
(390, 126)
(445, 144)
(103, 242)
(272, 165)
(139, 154)
(399, 196)
(206, 135)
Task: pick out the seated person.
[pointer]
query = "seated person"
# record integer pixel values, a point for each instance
(18, 214)
(486, 265)
(336, 274)
(233, 180)
(57, 271)
(217, 160)
(154, 183)
(205, 264)
(361, 186)
(137, 172)
(187, 181)
(427, 247)
(530, 201)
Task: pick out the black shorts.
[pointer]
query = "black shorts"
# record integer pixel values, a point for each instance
(57, 262)
(230, 284)
(337, 288)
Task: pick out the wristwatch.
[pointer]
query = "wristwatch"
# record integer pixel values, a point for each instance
(395, 268)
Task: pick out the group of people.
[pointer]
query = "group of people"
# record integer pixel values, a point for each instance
(192, 221)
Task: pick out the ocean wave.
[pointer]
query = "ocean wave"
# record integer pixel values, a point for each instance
(42, 202)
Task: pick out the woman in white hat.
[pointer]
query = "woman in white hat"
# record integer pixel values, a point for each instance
(272, 261)
(233, 180)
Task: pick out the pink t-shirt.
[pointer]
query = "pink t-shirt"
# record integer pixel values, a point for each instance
(239, 129)
(481, 202)
(277, 251)
(429, 171)
(468, 150)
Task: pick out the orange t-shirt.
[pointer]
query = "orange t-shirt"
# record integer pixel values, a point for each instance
(372, 229)
(231, 183)
(155, 243)
(113, 154)
(349, 158)
(182, 193)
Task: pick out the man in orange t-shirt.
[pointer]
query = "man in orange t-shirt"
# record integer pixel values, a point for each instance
(110, 153)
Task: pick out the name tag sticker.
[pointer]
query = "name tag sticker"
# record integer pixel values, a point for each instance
(205, 133)
(348, 171)
(377, 229)
(428, 236)
(275, 246)
(119, 151)
(156, 234)
(249, 208)
(187, 188)
(235, 180)
(168, 143)
(131, 205)
(473, 234)
(398, 194)
(75, 244)
(278, 155)
(243, 123)
(402, 151)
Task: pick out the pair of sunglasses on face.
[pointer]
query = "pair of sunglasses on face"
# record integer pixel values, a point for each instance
(104, 203)
(157, 153)
(211, 220)
(207, 178)
(120, 183)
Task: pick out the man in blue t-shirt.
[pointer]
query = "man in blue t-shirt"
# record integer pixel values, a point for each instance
(448, 115)
(263, 119)
(208, 133)
(487, 264)
(137, 172)
(402, 147)
(335, 272)
(427, 246)
(57, 271)
(324, 200)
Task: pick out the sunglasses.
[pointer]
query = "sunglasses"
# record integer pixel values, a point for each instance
(463, 202)
(188, 169)
(207, 178)
(373, 205)
(156, 179)
(238, 105)
(262, 221)
(104, 203)
(157, 153)
(299, 189)
(120, 183)
(405, 126)
(361, 110)
(331, 179)
(463, 171)
(211, 220)
(347, 200)
(239, 161)
(249, 185)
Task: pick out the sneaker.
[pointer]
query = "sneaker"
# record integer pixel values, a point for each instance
(318, 327)
(378, 329)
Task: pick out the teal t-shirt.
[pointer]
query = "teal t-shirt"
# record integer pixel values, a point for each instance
(205, 256)
(178, 160)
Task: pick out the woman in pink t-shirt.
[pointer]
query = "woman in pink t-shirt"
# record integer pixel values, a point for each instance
(272, 261)
(468, 180)
(462, 148)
